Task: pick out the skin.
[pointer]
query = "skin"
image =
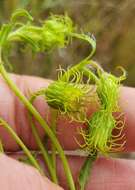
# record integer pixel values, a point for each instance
(106, 174)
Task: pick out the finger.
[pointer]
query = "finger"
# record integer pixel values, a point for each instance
(15, 175)
(127, 105)
(107, 173)
(13, 111)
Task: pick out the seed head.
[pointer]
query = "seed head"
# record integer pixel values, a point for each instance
(70, 98)
(99, 137)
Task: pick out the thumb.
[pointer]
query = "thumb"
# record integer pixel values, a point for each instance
(16, 175)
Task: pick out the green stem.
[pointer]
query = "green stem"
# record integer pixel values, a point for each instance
(85, 171)
(21, 144)
(53, 126)
(45, 154)
(1, 147)
(54, 115)
(88, 39)
(38, 117)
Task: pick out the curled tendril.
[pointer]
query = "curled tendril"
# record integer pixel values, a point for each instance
(70, 75)
(123, 76)
(88, 38)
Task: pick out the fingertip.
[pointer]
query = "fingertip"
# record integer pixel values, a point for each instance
(16, 175)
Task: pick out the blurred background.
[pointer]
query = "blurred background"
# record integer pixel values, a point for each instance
(112, 23)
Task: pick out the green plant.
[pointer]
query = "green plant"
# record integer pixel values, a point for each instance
(70, 95)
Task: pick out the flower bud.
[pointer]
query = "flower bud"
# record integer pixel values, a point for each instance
(99, 137)
(57, 31)
(69, 98)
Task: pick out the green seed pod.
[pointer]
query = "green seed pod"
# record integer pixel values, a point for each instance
(70, 98)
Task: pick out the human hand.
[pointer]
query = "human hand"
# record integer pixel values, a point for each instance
(112, 174)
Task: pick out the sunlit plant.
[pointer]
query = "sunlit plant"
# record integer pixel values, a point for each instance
(71, 94)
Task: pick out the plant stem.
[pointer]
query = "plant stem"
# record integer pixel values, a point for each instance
(54, 115)
(38, 117)
(85, 171)
(1, 147)
(21, 144)
(45, 154)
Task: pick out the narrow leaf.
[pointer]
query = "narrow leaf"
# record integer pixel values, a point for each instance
(86, 171)
(5, 30)
(20, 13)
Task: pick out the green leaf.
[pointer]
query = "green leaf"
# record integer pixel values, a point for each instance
(5, 30)
(86, 171)
(21, 13)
